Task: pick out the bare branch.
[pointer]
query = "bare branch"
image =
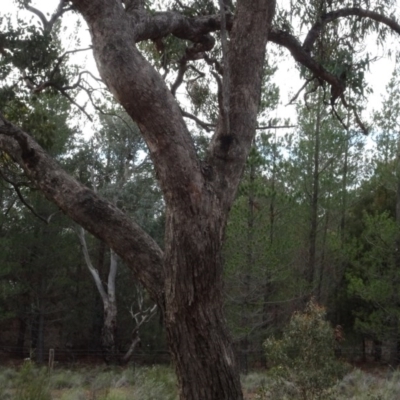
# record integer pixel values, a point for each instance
(179, 78)
(276, 127)
(65, 94)
(48, 24)
(205, 125)
(146, 316)
(360, 124)
(39, 14)
(62, 57)
(295, 97)
(23, 201)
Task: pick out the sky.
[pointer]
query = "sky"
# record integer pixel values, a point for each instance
(286, 76)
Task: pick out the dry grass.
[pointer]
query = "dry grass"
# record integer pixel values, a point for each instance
(158, 383)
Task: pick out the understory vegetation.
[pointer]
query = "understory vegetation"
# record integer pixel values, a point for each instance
(302, 363)
(30, 382)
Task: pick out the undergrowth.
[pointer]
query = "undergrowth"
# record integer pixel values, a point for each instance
(30, 382)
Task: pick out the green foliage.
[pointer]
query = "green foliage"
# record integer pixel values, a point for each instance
(359, 385)
(304, 356)
(66, 379)
(258, 248)
(155, 383)
(32, 383)
(374, 277)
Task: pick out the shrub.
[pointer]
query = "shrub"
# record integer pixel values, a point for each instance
(32, 383)
(303, 360)
(66, 379)
(155, 383)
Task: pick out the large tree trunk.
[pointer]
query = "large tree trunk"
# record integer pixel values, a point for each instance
(196, 330)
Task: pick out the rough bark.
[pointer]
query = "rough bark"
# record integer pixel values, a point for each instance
(197, 203)
(109, 333)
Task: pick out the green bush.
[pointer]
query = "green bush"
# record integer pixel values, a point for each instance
(66, 379)
(303, 360)
(32, 383)
(155, 383)
(75, 394)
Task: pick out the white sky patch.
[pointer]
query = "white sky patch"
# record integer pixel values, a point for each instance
(286, 77)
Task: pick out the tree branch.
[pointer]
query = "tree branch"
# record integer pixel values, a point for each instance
(100, 217)
(205, 125)
(276, 127)
(316, 30)
(296, 96)
(303, 57)
(22, 199)
(162, 24)
(48, 24)
(140, 89)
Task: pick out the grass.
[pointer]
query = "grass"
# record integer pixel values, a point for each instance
(101, 383)
(356, 385)
(158, 383)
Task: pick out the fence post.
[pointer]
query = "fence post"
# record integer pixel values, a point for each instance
(51, 360)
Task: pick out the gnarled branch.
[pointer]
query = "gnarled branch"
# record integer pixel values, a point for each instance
(303, 57)
(100, 217)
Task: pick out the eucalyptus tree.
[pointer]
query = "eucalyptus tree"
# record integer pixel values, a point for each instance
(185, 278)
(119, 170)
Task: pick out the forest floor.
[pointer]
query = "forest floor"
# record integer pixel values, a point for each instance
(28, 382)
